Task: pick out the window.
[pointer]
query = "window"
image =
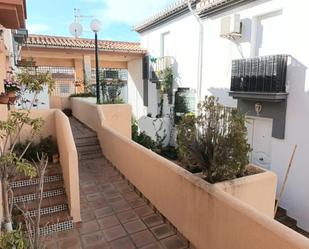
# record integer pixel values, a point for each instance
(64, 88)
(267, 34)
(165, 44)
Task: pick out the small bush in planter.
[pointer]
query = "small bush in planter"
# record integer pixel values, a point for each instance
(141, 137)
(46, 145)
(215, 140)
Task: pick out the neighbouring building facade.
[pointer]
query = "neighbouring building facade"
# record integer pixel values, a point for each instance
(225, 48)
(72, 65)
(12, 34)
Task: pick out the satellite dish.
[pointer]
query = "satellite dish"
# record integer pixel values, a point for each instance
(76, 29)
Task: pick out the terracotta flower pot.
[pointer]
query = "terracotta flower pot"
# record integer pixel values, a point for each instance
(12, 100)
(11, 94)
(55, 158)
(4, 99)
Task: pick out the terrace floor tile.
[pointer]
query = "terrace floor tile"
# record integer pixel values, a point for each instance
(114, 216)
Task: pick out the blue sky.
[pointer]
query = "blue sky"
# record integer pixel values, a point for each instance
(117, 16)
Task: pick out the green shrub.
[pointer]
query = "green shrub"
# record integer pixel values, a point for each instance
(215, 140)
(141, 137)
(82, 95)
(46, 145)
(15, 239)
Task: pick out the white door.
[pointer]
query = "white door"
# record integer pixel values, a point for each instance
(259, 137)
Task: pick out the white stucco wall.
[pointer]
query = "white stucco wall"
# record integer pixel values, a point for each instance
(288, 36)
(183, 47)
(135, 88)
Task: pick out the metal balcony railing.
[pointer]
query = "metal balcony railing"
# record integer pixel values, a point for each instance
(158, 65)
(265, 74)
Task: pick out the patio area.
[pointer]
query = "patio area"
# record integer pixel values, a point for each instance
(114, 214)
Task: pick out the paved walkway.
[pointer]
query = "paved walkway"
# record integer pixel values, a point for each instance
(114, 216)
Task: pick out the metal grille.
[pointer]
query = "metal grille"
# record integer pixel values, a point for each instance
(260, 74)
(110, 74)
(64, 80)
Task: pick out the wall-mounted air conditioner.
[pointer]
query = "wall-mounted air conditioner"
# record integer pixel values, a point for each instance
(231, 27)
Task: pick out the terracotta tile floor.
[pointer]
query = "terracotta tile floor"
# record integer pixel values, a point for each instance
(114, 216)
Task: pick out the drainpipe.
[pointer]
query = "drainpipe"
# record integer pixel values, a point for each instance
(200, 52)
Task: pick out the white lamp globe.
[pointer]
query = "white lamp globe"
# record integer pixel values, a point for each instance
(95, 25)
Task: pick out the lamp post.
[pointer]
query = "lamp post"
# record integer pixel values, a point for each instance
(95, 27)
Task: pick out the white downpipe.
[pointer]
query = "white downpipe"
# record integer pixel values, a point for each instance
(200, 53)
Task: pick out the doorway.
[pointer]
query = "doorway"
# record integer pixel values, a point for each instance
(259, 138)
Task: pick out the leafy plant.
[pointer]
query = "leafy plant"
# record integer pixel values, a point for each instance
(215, 140)
(141, 137)
(111, 90)
(14, 239)
(10, 130)
(46, 145)
(166, 87)
(32, 223)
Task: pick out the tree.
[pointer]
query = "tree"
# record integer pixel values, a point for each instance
(11, 164)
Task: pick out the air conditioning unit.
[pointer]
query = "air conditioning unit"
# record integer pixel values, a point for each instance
(231, 27)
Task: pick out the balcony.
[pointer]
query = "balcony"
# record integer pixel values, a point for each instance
(158, 65)
(260, 78)
(259, 84)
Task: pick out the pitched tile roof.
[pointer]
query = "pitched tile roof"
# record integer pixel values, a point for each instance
(177, 8)
(45, 41)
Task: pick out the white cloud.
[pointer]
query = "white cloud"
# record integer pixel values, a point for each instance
(37, 28)
(129, 12)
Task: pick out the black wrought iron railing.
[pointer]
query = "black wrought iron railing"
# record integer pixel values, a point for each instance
(260, 74)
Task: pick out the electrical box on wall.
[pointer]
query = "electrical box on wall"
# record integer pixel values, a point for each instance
(231, 27)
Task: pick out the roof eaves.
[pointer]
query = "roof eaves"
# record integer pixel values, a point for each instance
(177, 9)
(215, 7)
(37, 45)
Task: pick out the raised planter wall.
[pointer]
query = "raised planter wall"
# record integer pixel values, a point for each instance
(117, 116)
(56, 124)
(208, 215)
(259, 191)
(69, 163)
(57, 102)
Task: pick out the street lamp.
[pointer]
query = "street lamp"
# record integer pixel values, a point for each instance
(95, 27)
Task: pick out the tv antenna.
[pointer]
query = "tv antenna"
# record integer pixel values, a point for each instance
(76, 29)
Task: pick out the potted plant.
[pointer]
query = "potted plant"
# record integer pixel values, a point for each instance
(215, 141)
(165, 87)
(11, 86)
(4, 98)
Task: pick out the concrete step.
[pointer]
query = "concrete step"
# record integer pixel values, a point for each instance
(90, 156)
(288, 221)
(52, 223)
(89, 148)
(26, 190)
(280, 213)
(35, 181)
(33, 196)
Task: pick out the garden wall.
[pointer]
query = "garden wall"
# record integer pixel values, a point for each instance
(209, 217)
(69, 163)
(117, 116)
(57, 102)
(205, 214)
(56, 124)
